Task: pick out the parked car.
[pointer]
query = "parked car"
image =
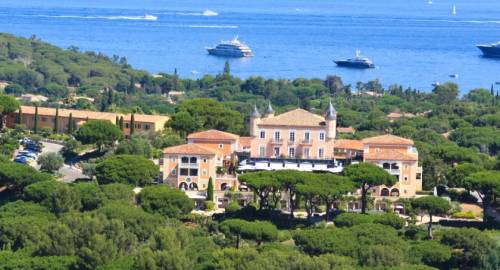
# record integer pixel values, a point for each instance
(22, 160)
(28, 153)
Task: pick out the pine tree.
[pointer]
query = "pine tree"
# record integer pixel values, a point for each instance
(117, 121)
(56, 121)
(132, 124)
(121, 123)
(35, 124)
(70, 123)
(175, 81)
(19, 119)
(111, 97)
(210, 190)
(227, 68)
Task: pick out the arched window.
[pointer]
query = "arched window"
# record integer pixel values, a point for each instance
(223, 186)
(395, 192)
(184, 160)
(193, 186)
(394, 166)
(183, 186)
(193, 160)
(384, 192)
(386, 166)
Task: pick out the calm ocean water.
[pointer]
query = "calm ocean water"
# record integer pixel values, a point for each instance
(413, 43)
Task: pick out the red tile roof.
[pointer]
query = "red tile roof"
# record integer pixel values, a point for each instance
(213, 134)
(392, 155)
(388, 139)
(190, 149)
(349, 144)
(297, 117)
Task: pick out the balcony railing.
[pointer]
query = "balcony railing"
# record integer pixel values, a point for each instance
(277, 141)
(189, 165)
(307, 141)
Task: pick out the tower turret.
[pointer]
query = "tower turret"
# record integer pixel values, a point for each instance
(331, 121)
(270, 111)
(254, 121)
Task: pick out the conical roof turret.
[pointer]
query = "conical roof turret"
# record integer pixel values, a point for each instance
(331, 113)
(270, 109)
(255, 113)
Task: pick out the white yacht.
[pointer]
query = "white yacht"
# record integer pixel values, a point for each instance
(232, 48)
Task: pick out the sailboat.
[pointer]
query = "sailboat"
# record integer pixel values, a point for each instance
(454, 10)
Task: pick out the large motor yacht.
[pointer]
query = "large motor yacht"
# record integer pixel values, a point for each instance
(357, 62)
(491, 50)
(232, 48)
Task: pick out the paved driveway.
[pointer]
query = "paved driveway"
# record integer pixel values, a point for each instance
(68, 173)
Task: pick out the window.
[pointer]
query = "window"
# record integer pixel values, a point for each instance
(291, 152)
(138, 126)
(146, 127)
(44, 119)
(221, 146)
(306, 152)
(262, 134)
(174, 171)
(262, 151)
(406, 178)
(193, 172)
(321, 136)
(184, 160)
(419, 176)
(160, 161)
(184, 172)
(276, 151)
(193, 160)
(204, 160)
(307, 136)
(406, 165)
(204, 172)
(277, 135)
(321, 153)
(174, 159)
(127, 125)
(291, 136)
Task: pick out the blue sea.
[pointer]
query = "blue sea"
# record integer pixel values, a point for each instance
(413, 42)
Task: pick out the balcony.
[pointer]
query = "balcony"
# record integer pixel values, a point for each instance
(277, 141)
(189, 165)
(393, 171)
(306, 142)
(291, 142)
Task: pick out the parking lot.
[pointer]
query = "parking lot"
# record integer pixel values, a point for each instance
(29, 155)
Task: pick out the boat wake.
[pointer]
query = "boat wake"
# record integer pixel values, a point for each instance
(146, 17)
(206, 13)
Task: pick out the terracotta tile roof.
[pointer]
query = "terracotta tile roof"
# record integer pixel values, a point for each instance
(213, 134)
(297, 117)
(345, 130)
(45, 111)
(388, 139)
(245, 142)
(392, 155)
(190, 149)
(349, 144)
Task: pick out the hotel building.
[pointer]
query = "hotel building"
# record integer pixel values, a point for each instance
(46, 119)
(298, 140)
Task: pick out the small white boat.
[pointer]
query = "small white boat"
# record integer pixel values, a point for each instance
(150, 17)
(454, 10)
(454, 76)
(210, 13)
